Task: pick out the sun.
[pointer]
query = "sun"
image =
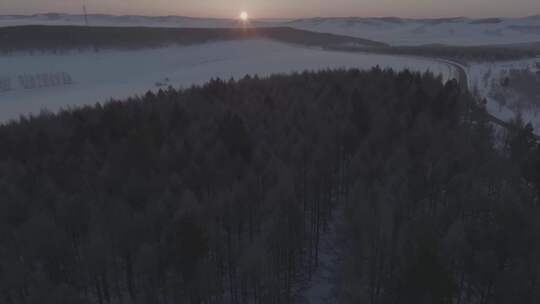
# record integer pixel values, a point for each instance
(244, 16)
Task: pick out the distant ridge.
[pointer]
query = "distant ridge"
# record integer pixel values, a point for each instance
(455, 31)
(119, 20)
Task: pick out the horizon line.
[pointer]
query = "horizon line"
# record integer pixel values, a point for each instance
(266, 18)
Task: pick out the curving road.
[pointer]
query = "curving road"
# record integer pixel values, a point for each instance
(463, 79)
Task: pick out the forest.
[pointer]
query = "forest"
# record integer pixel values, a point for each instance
(488, 53)
(60, 39)
(220, 193)
(36, 39)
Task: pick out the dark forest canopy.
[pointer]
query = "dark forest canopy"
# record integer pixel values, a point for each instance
(63, 38)
(220, 194)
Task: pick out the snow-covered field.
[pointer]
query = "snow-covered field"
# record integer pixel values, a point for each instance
(394, 31)
(100, 76)
(454, 31)
(485, 78)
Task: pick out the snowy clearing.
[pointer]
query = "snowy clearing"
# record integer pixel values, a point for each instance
(321, 289)
(97, 77)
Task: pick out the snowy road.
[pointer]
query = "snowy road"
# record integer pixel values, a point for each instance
(465, 81)
(321, 288)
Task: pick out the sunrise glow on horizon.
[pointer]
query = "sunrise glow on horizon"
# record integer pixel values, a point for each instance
(244, 16)
(282, 8)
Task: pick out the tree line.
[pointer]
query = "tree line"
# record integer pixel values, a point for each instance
(489, 53)
(38, 39)
(63, 39)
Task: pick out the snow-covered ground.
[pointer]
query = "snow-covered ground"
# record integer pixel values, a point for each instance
(485, 78)
(454, 31)
(100, 76)
(321, 289)
(395, 31)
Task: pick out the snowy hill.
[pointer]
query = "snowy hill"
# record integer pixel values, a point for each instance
(449, 31)
(395, 31)
(126, 20)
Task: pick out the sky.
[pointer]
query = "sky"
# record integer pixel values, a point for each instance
(283, 8)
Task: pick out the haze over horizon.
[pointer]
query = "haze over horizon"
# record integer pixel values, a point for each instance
(283, 8)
